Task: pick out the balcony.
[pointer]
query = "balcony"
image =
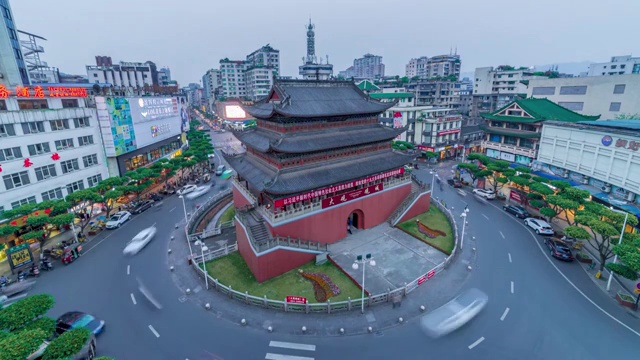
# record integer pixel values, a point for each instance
(509, 148)
(509, 132)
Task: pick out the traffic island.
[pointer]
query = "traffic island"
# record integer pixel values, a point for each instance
(431, 227)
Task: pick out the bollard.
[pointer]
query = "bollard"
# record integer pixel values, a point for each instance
(170, 268)
(469, 267)
(304, 329)
(172, 237)
(176, 226)
(269, 329)
(342, 331)
(243, 321)
(207, 306)
(474, 249)
(400, 320)
(370, 329)
(188, 291)
(169, 251)
(422, 308)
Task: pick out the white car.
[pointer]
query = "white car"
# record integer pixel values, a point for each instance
(187, 189)
(199, 191)
(140, 241)
(455, 313)
(484, 193)
(118, 219)
(540, 226)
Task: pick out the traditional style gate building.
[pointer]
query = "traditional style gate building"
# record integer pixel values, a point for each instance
(317, 161)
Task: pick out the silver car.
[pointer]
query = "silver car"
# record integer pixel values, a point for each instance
(454, 314)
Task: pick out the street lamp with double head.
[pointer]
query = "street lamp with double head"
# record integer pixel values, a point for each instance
(203, 248)
(624, 225)
(363, 260)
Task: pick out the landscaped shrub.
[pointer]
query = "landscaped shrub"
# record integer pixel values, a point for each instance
(67, 344)
(323, 287)
(24, 311)
(623, 270)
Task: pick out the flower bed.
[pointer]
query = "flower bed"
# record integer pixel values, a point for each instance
(323, 287)
(626, 301)
(584, 258)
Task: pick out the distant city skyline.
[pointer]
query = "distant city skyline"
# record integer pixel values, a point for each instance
(193, 43)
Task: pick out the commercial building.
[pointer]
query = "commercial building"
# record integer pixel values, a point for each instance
(438, 93)
(368, 66)
(122, 75)
(429, 67)
(211, 85)
(313, 68)
(513, 132)
(50, 144)
(608, 96)
(12, 66)
(619, 65)
(313, 167)
(137, 131)
(602, 157)
(251, 78)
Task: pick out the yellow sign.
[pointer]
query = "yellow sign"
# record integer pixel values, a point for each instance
(637, 291)
(598, 274)
(20, 257)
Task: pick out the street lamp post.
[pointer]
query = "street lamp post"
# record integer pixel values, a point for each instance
(73, 228)
(433, 180)
(363, 260)
(615, 258)
(203, 248)
(464, 223)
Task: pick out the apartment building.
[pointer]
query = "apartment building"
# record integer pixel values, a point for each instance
(438, 93)
(610, 97)
(122, 75)
(232, 78)
(368, 66)
(251, 78)
(619, 65)
(430, 67)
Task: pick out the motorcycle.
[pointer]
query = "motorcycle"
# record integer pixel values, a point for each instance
(34, 271)
(45, 264)
(22, 276)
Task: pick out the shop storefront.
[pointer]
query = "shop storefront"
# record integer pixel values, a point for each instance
(148, 155)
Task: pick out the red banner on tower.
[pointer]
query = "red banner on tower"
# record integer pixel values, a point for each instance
(352, 195)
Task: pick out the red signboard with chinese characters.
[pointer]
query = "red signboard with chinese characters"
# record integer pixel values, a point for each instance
(296, 299)
(38, 92)
(426, 148)
(631, 145)
(313, 194)
(352, 195)
(447, 132)
(515, 196)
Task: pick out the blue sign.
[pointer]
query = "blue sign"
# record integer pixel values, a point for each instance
(607, 140)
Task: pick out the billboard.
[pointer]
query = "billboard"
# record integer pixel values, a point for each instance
(234, 112)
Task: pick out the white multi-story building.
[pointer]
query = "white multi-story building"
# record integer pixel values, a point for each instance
(619, 65)
(251, 78)
(164, 77)
(259, 81)
(368, 66)
(232, 78)
(123, 75)
(430, 67)
(607, 96)
(50, 144)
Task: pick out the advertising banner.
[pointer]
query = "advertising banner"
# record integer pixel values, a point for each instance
(332, 189)
(124, 136)
(19, 255)
(340, 199)
(296, 299)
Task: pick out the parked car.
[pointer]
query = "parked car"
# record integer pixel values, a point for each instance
(559, 249)
(78, 319)
(518, 211)
(118, 219)
(220, 170)
(140, 241)
(454, 182)
(489, 195)
(142, 206)
(187, 189)
(541, 227)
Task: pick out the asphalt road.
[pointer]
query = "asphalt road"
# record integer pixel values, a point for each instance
(534, 312)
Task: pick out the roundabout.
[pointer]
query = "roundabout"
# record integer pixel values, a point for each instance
(538, 308)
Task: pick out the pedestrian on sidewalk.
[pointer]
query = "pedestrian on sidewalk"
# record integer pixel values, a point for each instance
(349, 229)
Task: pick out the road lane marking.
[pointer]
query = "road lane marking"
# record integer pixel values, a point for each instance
(535, 240)
(510, 257)
(294, 346)
(173, 208)
(476, 343)
(512, 287)
(504, 315)
(485, 216)
(154, 331)
(271, 356)
(133, 298)
(128, 269)
(501, 234)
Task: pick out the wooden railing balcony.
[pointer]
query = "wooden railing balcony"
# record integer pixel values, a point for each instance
(517, 150)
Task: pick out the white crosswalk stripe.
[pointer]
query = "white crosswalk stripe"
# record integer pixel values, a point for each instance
(290, 346)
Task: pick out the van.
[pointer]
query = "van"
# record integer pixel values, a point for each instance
(220, 170)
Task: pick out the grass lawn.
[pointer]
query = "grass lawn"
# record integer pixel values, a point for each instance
(227, 215)
(434, 219)
(232, 270)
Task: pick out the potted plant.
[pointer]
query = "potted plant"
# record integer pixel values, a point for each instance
(626, 301)
(583, 258)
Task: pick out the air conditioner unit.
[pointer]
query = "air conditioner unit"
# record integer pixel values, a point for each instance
(10, 157)
(630, 196)
(606, 188)
(585, 180)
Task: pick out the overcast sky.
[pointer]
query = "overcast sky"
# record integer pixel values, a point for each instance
(191, 36)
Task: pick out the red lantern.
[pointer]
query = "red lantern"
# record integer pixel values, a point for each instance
(0, 167)
(47, 211)
(55, 157)
(27, 163)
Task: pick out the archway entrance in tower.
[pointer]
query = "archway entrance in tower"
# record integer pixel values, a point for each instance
(356, 219)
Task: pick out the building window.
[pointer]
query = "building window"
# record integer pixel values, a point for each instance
(94, 180)
(573, 90)
(514, 112)
(614, 66)
(510, 140)
(69, 166)
(3, 105)
(16, 180)
(33, 104)
(39, 149)
(527, 143)
(33, 127)
(75, 186)
(46, 172)
(85, 140)
(543, 90)
(81, 122)
(29, 200)
(7, 130)
(52, 194)
(575, 106)
(58, 125)
(90, 160)
(69, 103)
(614, 106)
(10, 153)
(619, 89)
(513, 125)
(64, 144)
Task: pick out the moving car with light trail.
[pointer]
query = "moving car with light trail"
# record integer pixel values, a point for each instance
(140, 241)
(454, 314)
(199, 191)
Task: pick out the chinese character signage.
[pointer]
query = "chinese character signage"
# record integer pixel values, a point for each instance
(447, 132)
(353, 195)
(628, 144)
(40, 92)
(326, 191)
(296, 299)
(19, 255)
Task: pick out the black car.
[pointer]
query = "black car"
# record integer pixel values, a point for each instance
(454, 182)
(518, 211)
(145, 205)
(559, 249)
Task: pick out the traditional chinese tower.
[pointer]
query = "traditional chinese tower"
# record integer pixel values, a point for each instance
(317, 161)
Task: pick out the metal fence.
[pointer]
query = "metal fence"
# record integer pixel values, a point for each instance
(206, 206)
(328, 307)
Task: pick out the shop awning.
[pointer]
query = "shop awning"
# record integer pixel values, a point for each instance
(554, 177)
(609, 200)
(592, 190)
